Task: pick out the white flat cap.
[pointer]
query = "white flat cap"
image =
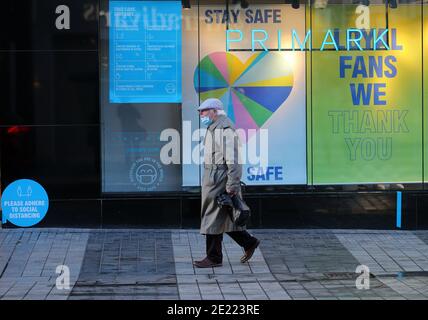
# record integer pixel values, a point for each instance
(211, 103)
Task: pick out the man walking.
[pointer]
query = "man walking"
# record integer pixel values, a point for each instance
(222, 173)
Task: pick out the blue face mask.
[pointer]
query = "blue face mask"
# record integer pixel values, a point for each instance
(206, 121)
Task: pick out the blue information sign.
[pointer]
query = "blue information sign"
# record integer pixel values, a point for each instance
(24, 203)
(145, 51)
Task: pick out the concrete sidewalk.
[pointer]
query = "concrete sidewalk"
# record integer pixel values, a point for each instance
(157, 264)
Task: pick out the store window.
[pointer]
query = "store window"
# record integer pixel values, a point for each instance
(366, 104)
(261, 85)
(329, 92)
(141, 94)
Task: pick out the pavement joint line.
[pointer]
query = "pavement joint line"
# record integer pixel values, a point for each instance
(199, 289)
(10, 257)
(47, 256)
(218, 285)
(242, 290)
(34, 284)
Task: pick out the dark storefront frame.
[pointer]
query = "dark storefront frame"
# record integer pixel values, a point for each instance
(79, 203)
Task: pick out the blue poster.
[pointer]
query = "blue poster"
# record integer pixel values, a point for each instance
(24, 203)
(145, 51)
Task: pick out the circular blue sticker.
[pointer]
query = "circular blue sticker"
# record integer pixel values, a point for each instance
(24, 203)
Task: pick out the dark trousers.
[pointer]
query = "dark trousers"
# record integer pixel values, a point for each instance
(214, 246)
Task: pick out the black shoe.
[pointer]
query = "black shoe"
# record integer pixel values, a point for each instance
(249, 253)
(206, 263)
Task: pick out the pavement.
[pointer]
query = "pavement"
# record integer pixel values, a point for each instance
(149, 264)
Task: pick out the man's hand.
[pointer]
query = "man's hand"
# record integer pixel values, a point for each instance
(231, 192)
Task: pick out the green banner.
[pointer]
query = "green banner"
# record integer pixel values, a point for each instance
(366, 107)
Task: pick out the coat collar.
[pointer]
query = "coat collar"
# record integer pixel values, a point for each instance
(221, 120)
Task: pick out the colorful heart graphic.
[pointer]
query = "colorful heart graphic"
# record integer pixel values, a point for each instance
(252, 91)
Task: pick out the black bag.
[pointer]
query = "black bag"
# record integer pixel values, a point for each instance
(238, 210)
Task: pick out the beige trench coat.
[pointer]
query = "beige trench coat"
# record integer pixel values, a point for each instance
(221, 170)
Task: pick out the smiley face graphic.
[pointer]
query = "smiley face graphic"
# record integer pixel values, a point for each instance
(146, 174)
